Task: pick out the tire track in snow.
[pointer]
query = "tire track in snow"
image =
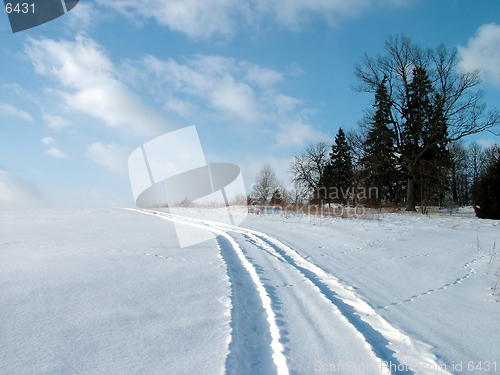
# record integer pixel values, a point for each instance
(236, 263)
(387, 342)
(250, 346)
(379, 344)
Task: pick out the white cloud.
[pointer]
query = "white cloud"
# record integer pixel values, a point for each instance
(48, 141)
(17, 193)
(55, 122)
(292, 13)
(11, 111)
(88, 81)
(82, 17)
(262, 76)
(196, 18)
(238, 90)
(233, 90)
(215, 86)
(181, 107)
(55, 152)
(235, 98)
(286, 103)
(205, 18)
(298, 134)
(483, 52)
(111, 156)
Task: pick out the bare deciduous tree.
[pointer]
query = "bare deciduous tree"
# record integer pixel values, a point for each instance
(307, 169)
(266, 183)
(297, 194)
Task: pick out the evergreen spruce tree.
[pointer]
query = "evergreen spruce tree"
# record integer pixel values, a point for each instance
(340, 170)
(379, 160)
(488, 192)
(325, 186)
(436, 160)
(423, 140)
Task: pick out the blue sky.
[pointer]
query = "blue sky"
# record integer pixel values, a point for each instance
(261, 79)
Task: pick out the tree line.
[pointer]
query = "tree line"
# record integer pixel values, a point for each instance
(408, 148)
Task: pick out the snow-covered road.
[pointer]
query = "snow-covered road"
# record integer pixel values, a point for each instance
(109, 291)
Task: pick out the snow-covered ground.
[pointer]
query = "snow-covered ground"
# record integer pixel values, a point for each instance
(109, 291)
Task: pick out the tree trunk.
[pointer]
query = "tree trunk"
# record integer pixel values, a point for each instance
(454, 189)
(410, 195)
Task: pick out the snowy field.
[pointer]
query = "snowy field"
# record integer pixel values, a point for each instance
(109, 291)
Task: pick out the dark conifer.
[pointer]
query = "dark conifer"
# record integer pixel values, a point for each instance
(341, 169)
(488, 192)
(435, 162)
(419, 134)
(379, 160)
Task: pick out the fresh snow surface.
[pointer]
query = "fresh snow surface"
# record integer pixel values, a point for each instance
(109, 291)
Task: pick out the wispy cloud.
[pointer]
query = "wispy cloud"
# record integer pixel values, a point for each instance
(205, 18)
(11, 111)
(298, 134)
(82, 17)
(263, 77)
(215, 80)
(181, 107)
(13, 87)
(87, 83)
(235, 89)
(56, 123)
(223, 89)
(48, 141)
(56, 153)
(111, 156)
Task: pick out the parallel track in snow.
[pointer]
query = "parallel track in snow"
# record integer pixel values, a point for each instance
(237, 365)
(383, 342)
